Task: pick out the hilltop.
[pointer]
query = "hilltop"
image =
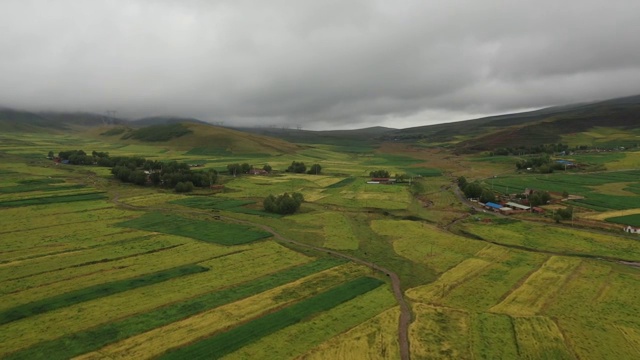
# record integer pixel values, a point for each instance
(199, 138)
(544, 126)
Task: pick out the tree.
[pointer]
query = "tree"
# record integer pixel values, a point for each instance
(566, 213)
(487, 196)
(297, 167)
(565, 194)
(234, 169)
(212, 175)
(267, 168)
(50, 155)
(462, 182)
(283, 204)
(539, 198)
(379, 174)
(472, 190)
(184, 187)
(315, 169)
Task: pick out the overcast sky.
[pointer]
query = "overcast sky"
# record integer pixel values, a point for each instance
(320, 64)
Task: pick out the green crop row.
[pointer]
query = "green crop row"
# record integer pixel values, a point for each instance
(342, 183)
(36, 187)
(98, 337)
(94, 292)
(208, 231)
(633, 220)
(54, 199)
(234, 339)
(232, 205)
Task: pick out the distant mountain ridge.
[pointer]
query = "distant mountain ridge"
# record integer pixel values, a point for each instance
(529, 128)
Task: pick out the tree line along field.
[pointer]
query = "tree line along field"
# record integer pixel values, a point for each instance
(142, 273)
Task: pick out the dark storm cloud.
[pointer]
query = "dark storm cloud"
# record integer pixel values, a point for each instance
(317, 64)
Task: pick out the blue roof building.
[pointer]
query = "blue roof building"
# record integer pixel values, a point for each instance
(493, 205)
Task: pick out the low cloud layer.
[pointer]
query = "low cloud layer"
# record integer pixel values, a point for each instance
(316, 64)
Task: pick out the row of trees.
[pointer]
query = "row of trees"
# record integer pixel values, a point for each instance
(283, 204)
(140, 171)
(244, 168)
(299, 167)
(295, 167)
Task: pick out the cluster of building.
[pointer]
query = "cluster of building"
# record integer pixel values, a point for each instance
(510, 207)
(385, 181)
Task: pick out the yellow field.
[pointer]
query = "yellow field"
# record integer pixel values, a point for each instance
(434, 292)
(257, 260)
(609, 214)
(294, 340)
(159, 340)
(426, 244)
(616, 188)
(374, 339)
(539, 338)
(528, 300)
(440, 333)
(338, 232)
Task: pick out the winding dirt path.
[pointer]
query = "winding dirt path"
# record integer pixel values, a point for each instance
(405, 311)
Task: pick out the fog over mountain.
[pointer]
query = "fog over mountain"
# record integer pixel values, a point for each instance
(316, 64)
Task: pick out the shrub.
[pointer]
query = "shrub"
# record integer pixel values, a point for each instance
(283, 204)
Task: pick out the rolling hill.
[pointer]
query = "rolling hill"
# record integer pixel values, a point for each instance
(544, 126)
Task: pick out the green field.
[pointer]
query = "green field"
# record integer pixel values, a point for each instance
(124, 271)
(209, 231)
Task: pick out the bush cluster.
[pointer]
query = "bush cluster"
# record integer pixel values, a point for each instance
(379, 174)
(283, 204)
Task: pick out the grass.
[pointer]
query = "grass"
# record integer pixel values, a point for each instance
(54, 199)
(158, 132)
(92, 339)
(94, 292)
(208, 231)
(229, 341)
(233, 205)
(633, 220)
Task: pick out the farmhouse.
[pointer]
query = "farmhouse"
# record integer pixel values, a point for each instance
(386, 181)
(493, 206)
(258, 172)
(631, 230)
(518, 206)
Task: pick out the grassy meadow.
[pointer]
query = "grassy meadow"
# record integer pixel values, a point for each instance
(92, 268)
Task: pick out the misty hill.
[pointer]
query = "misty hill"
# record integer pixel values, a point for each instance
(199, 138)
(12, 120)
(347, 138)
(164, 120)
(543, 126)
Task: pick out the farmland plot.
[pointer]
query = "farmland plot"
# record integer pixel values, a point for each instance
(440, 333)
(426, 244)
(557, 239)
(230, 267)
(374, 339)
(528, 300)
